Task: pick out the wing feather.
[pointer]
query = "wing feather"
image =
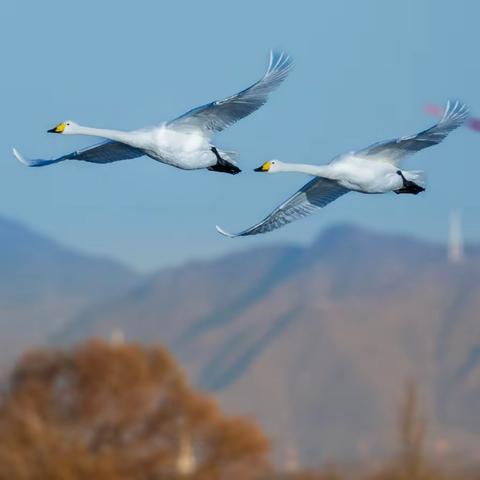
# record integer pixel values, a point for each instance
(218, 115)
(394, 151)
(316, 194)
(104, 152)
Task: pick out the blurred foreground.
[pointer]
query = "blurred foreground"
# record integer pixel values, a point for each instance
(122, 411)
(109, 411)
(292, 335)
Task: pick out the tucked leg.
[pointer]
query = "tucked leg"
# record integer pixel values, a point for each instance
(408, 186)
(223, 165)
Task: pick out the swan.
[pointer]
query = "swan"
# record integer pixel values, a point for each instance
(184, 142)
(374, 169)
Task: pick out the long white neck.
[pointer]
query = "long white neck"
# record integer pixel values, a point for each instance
(316, 170)
(117, 135)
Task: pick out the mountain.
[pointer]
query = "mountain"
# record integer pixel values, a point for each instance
(317, 342)
(43, 286)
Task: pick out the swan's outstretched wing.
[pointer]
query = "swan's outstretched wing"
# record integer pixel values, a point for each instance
(316, 194)
(394, 151)
(105, 152)
(216, 116)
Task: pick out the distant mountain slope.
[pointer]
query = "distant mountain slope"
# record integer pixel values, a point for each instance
(44, 285)
(318, 341)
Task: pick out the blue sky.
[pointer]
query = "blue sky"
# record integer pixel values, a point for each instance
(363, 73)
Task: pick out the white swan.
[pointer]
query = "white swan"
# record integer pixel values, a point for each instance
(184, 142)
(374, 169)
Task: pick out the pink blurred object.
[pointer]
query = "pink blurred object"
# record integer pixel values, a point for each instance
(472, 123)
(434, 110)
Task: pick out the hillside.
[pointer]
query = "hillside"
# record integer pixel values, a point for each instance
(318, 341)
(43, 286)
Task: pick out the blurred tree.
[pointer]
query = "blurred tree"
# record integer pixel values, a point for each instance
(114, 412)
(411, 431)
(410, 462)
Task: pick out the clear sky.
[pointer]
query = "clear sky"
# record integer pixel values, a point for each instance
(363, 71)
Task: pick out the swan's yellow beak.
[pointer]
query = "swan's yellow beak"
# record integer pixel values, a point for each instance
(264, 168)
(58, 129)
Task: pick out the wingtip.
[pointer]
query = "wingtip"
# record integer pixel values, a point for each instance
(19, 157)
(456, 108)
(279, 60)
(224, 233)
(270, 59)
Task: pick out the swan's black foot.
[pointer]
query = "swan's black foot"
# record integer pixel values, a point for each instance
(408, 186)
(223, 165)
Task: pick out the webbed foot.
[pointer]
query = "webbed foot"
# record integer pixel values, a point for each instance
(408, 186)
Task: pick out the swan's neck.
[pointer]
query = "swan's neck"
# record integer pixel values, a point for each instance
(116, 135)
(316, 170)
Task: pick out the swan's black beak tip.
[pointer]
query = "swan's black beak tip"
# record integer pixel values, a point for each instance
(52, 130)
(259, 169)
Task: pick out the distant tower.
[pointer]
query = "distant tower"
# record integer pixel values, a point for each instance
(117, 337)
(455, 241)
(186, 462)
(291, 462)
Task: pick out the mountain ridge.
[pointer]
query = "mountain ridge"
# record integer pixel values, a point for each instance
(370, 309)
(43, 285)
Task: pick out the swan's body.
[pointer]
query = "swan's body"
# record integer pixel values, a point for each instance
(184, 142)
(351, 172)
(374, 169)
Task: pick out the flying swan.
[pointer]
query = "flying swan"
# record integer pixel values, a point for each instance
(374, 169)
(184, 142)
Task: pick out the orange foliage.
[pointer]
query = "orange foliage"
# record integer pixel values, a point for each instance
(116, 412)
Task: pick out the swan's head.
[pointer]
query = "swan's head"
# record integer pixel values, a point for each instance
(67, 128)
(271, 166)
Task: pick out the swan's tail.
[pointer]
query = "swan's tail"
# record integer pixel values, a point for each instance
(416, 176)
(35, 163)
(229, 156)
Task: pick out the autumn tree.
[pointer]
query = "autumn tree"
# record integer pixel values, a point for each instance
(114, 412)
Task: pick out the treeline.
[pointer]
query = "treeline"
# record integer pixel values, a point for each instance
(410, 461)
